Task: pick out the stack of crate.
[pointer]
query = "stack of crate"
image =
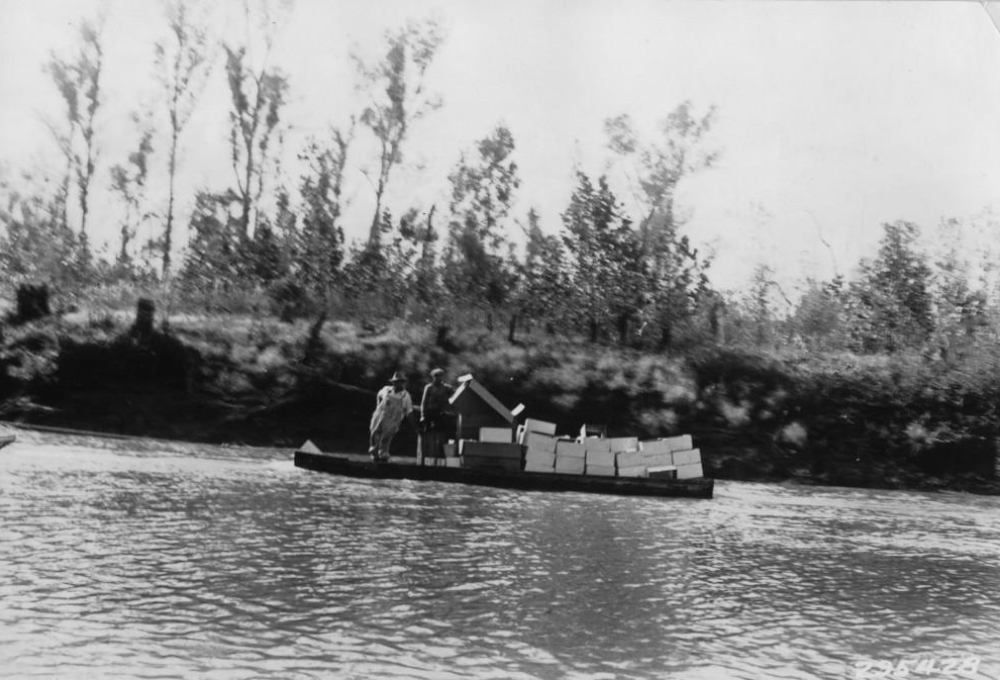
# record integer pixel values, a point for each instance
(600, 457)
(628, 456)
(571, 457)
(495, 450)
(539, 440)
(672, 458)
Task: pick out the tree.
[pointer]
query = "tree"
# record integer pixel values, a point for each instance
(321, 241)
(79, 84)
(129, 181)
(675, 275)
(395, 87)
(183, 65)
(819, 317)
(542, 286)
(36, 244)
(605, 258)
(426, 281)
(479, 268)
(213, 252)
(892, 296)
(257, 94)
(959, 302)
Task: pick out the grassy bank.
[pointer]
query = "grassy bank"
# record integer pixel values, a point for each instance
(896, 422)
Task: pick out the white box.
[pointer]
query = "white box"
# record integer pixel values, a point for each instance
(630, 459)
(655, 446)
(681, 443)
(601, 458)
(687, 457)
(532, 425)
(624, 444)
(692, 471)
(632, 471)
(600, 470)
(532, 467)
(540, 459)
(596, 444)
(571, 466)
(537, 441)
(498, 435)
(570, 449)
(652, 460)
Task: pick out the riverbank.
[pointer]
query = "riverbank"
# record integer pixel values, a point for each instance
(885, 422)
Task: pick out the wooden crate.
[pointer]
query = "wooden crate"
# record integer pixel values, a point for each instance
(656, 459)
(532, 425)
(630, 459)
(601, 458)
(633, 471)
(596, 444)
(538, 441)
(619, 444)
(540, 459)
(688, 457)
(692, 471)
(569, 448)
(499, 435)
(570, 465)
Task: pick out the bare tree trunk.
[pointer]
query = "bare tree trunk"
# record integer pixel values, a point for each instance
(375, 234)
(169, 228)
(666, 334)
(512, 328)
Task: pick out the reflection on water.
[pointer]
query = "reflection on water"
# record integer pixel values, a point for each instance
(128, 560)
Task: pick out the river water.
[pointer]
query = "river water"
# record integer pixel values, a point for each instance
(152, 560)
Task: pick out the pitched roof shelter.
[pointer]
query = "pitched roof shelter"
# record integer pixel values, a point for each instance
(477, 408)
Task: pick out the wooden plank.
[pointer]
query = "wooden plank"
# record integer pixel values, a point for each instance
(492, 450)
(463, 399)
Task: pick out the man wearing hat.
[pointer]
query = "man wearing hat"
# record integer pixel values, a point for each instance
(392, 405)
(435, 417)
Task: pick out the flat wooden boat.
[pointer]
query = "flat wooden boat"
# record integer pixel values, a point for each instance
(356, 465)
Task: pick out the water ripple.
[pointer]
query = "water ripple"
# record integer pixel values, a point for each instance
(162, 561)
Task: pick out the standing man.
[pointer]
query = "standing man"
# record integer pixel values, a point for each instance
(435, 417)
(392, 405)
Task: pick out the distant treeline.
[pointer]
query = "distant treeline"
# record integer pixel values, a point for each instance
(611, 274)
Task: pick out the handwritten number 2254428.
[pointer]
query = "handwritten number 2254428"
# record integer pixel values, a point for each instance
(956, 665)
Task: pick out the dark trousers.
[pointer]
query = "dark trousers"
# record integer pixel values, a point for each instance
(434, 433)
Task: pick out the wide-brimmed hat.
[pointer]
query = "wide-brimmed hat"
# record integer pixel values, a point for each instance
(397, 377)
(436, 372)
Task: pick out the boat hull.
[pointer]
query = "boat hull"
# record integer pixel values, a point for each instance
(353, 465)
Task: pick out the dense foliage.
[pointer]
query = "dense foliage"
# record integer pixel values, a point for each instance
(612, 274)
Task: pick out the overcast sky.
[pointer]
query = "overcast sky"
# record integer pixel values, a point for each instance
(833, 117)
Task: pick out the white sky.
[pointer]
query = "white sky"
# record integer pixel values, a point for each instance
(833, 117)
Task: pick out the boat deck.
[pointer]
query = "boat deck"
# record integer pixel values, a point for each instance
(357, 465)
